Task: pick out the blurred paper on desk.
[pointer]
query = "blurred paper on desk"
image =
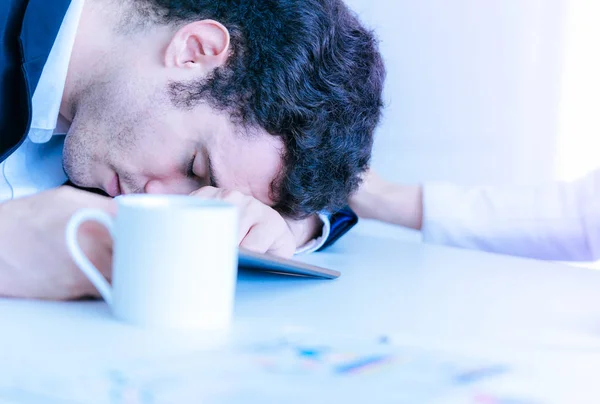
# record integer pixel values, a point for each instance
(290, 368)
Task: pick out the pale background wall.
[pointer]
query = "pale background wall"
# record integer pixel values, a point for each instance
(473, 88)
(579, 129)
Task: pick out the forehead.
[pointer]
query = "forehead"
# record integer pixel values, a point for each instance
(248, 162)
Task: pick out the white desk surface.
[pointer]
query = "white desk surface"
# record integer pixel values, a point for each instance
(541, 319)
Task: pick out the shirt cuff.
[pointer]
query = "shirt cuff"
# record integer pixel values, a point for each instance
(439, 208)
(314, 244)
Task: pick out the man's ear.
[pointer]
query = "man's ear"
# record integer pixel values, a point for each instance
(200, 45)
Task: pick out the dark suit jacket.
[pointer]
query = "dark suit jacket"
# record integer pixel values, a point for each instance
(27, 32)
(28, 29)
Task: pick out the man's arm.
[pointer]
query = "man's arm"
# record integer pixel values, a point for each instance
(34, 261)
(558, 221)
(388, 202)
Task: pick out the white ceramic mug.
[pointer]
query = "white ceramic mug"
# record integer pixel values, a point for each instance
(174, 260)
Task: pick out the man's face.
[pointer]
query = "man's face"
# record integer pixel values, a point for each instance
(128, 137)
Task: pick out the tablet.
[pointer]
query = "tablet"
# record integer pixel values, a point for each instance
(265, 262)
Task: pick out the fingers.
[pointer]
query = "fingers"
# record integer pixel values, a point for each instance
(260, 228)
(265, 239)
(306, 229)
(208, 193)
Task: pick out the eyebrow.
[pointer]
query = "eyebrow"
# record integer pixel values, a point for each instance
(214, 182)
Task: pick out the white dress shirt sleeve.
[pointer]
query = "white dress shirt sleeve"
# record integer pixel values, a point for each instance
(314, 244)
(558, 221)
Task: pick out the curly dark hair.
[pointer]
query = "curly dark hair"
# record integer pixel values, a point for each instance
(305, 70)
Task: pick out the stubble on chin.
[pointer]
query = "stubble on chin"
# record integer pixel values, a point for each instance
(78, 155)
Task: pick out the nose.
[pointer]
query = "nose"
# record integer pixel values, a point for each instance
(182, 186)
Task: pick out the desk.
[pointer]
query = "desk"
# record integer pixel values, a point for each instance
(538, 317)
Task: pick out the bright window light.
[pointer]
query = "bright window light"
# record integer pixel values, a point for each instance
(579, 127)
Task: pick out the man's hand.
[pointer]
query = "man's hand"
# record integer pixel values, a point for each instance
(34, 261)
(305, 230)
(261, 228)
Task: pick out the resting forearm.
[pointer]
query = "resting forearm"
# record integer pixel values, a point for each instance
(558, 221)
(401, 205)
(388, 202)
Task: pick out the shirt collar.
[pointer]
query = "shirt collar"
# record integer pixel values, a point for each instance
(49, 91)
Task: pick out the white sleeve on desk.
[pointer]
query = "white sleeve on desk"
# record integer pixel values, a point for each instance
(314, 244)
(558, 221)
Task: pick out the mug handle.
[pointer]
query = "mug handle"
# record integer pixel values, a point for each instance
(93, 274)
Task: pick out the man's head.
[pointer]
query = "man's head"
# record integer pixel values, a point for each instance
(275, 98)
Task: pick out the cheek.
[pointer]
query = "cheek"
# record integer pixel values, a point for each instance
(137, 119)
(157, 154)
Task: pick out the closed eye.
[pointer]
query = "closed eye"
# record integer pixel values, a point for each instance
(211, 174)
(190, 168)
(212, 180)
